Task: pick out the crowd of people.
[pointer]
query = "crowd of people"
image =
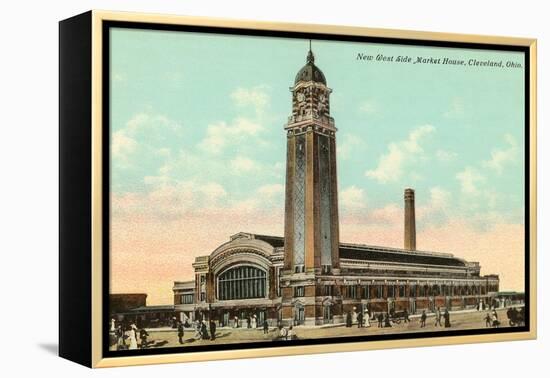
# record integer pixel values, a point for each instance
(387, 319)
(128, 336)
(286, 333)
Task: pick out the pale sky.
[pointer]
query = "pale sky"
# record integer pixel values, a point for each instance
(198, 149)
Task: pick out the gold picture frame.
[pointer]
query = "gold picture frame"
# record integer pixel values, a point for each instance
(82, 211)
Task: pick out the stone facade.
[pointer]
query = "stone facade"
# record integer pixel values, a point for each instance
(308, 277)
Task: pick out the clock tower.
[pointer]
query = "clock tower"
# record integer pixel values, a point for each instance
(311, 203)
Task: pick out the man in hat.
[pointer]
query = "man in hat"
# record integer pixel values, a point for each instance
(212, 330)
(180, 332)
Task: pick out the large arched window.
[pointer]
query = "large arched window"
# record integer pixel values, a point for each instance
(242, 282)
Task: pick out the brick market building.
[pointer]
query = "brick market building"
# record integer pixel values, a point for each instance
(309, 277)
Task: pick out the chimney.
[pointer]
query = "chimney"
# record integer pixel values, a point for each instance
(410, 224)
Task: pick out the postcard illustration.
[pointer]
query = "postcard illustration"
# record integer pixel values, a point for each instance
(272, 190)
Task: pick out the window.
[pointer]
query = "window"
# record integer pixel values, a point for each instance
(299, 269)
(326, 269)
(366, 292)
(278, 272)
(328, 290)
(401, 291)
(412, 290)
(242, 282)
(391, 291)
(299, 291)
(186, 299)
(203, 296)
(421, 292)
(378, 291)
(352, 292)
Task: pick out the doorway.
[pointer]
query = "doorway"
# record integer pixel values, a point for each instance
(299, 315)
(327, 314)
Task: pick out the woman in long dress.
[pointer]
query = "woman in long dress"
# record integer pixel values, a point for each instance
(253, 322)
(366, 318)
(447, 318)
(132, 337)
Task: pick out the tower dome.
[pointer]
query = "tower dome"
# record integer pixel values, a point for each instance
(310, 72)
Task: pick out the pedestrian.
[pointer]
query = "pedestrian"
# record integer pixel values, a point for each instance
(496, 323)
(423, 319)
(406, 316)
(367, 318)
(348, 319)
(254, 323)
(360, 320)
(212, 330)
(488, 320)
(438, 317)
(290, 333)
(132, 337)
(143, 334)
(447, 317)
(198, 330)
(248, 321)
(387, 322)
(266, 326)
(204, 331)
(282, 333)
(380, 320)
(180, 332)
(121, 338)
(236, 323)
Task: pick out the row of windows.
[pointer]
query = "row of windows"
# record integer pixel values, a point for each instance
(400, 291)
(393, 291)
(187, 299)
(246, 282)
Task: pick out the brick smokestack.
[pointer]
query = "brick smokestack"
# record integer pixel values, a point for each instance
(410, 223)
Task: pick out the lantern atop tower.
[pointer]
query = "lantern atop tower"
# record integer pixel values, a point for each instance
(310, 72)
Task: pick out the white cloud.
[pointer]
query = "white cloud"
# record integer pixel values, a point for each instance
(242, 164)
(171, 198)
(221, 134)
(439, 198)
(352, 198)
(212, 192)
(271, 190)
(122, 145)
(500, 157)
(469, 179)
(391, 165)
(349, 144)
(144, 133)
(445, 156)
(255, 97)
(146, 122)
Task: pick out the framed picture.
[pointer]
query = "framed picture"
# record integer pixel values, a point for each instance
(235, 189)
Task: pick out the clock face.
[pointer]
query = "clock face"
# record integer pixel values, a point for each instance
(300, 97)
